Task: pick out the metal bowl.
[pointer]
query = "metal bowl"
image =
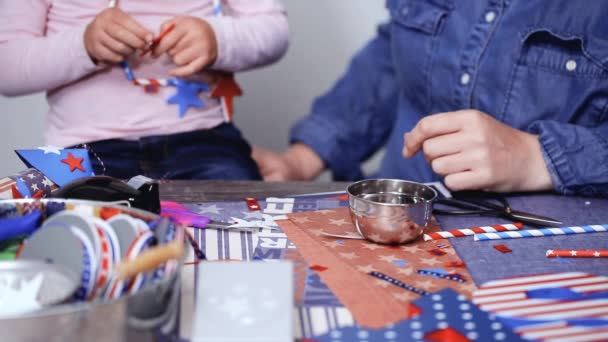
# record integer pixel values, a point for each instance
(390, 211)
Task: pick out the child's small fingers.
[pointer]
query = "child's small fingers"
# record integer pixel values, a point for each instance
(185, 57)
(116, 45)
(168, 42)
(134, 27)
(105, 54)
(125, 36)
(189, 69)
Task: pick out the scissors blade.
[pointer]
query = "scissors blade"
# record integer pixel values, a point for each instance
(533, 218)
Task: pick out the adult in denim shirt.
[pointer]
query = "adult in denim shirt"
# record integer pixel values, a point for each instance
(521, 87)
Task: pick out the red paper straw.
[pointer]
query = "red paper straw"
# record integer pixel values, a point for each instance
(583, 253)
(471, 231)
(157, 40)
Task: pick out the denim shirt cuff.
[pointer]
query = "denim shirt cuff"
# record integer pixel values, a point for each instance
(321, 137)
(556, 160)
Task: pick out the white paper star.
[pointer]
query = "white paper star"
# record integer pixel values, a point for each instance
(34, 187)
(349, 256)
(31, 176)
(338, 223)
(596, 254)
(300, 219)
(51, 149)
(371, 246)
(430, 261)
(366, 269)
(47, 182)
(549, 252)
(212, 209)
(573, 253)
(388, 258)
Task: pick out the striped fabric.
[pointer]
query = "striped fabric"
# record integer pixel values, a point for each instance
(550, 319)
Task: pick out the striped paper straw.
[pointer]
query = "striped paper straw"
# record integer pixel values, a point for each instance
(581, 253)
(542, 232)
(472, 231)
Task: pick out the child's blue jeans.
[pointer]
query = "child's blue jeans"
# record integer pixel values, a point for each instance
(217, 153)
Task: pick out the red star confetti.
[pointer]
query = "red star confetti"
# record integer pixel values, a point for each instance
(446, 334)
(413, 311)
(252, 204)
(73, 162)
(503, 248)
(454, 264)
(226, 88)
(318, 268)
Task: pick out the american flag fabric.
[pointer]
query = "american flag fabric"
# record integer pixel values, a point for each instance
(33, 183)
(580, 315)
(6, 188)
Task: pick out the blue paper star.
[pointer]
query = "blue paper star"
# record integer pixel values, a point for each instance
(187, 95)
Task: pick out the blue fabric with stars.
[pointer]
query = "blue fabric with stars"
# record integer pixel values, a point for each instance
(440, 310)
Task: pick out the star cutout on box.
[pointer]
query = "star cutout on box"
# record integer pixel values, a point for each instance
(51, 149)
(226, 89)
(73, 162)
(187, 95)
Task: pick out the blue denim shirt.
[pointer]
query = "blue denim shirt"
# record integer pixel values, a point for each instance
(538, 65)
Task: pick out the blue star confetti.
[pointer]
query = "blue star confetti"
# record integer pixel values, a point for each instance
(187, 95)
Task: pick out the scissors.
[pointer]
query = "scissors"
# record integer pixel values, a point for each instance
(488, 204)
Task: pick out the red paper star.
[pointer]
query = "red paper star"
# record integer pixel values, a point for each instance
(447, 334)
(318, 268)
(73, 162)
(227, 88)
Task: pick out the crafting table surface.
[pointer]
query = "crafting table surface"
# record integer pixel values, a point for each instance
(214, 191)
(483, 261)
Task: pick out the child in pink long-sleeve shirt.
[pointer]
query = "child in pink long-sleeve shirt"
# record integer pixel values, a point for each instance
(72, 49)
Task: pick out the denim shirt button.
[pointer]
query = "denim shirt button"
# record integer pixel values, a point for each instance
(571, 65)
(490, 16)
(465, 78)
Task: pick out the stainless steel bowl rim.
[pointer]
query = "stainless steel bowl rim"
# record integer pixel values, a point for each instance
(350, 193)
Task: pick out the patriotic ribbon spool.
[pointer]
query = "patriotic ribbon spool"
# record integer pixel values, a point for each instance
(570, 306)
(74, 249)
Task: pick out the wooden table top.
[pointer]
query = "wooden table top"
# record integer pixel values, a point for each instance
(207, 191)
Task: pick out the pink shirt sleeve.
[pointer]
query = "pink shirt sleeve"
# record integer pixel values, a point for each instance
(31, 61)
(255, 34)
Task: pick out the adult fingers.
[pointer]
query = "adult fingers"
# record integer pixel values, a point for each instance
(428, 127)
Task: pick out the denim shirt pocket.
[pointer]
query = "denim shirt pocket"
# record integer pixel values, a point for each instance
(415, 27)
(557, 77)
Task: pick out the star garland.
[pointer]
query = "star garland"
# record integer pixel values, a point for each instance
(187, 94)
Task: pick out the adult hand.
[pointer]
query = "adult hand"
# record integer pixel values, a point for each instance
(299, 163)
(113, 35)
(191, 44)
(472, 151)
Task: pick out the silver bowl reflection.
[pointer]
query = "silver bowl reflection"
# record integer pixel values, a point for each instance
(390, 211)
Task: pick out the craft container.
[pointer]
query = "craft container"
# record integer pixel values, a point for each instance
(390, 211)
(151, 314)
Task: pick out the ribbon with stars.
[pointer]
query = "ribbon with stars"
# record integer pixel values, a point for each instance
(563, 253)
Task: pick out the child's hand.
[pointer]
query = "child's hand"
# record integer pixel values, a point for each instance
(114, 35)
(191, 44)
